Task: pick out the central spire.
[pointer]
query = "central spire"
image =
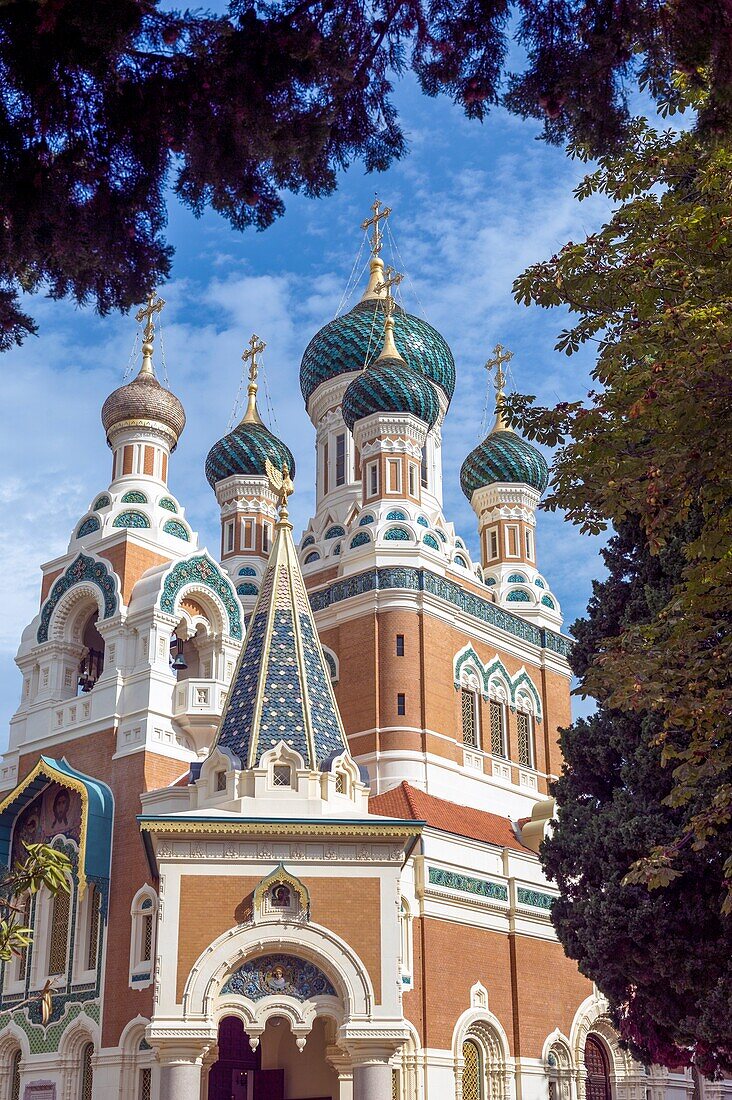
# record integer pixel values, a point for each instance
(147, 314)
(281, 690)
(391, 279)
(254, 348)
(500, 356)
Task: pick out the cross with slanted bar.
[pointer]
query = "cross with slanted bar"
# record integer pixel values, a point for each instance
(147, 313)
(500, 356)
(391, 278)
(378, 237)
(254, 348)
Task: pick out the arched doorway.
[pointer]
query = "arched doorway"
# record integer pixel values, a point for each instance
(278, 1069)
(597, 1086)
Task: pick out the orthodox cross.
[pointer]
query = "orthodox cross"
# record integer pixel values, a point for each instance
(254, 348)
(500, 356)
(378, 214)
(391, 278)
(147, 313)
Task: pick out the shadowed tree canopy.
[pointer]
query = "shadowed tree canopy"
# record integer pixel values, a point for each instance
(662, 957)
(107, 103)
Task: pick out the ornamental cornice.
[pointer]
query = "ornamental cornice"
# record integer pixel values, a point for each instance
(266, 827)
(143, 429)
(502, 494)
(391, 446)
(400, 426)
(329, 397)
(239, 487)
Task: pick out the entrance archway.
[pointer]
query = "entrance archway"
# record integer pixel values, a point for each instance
(278, 1069)
(598, 1071)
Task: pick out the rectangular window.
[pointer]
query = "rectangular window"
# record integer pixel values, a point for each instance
(512, 541)
(340, 459)
(393, 475)
(525, 740)
(498, 736)
(412, 480)
(326, 471)
(229, 537)
(265, 538)
(401, 703)
(469, 718)
(423, 470)
(492, 544)
(400, 645)
(357, 463)
(248, 534)
(529, 545)
(373, 479)
(147, 937)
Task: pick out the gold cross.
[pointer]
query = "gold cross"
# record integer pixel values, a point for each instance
(391, 278)
(147, 313)
(378, 237)
(500, 356)
(254, 348)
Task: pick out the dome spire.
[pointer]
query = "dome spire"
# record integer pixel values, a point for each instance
(374, 291)
(254, 348)
(500, 356)
(391, 279)
(147, 313)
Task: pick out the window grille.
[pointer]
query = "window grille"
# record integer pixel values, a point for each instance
(281, 775)
(221, 781)
(470, 731)
(340, 459)
(340, 783)
(472, 1083)
(498, 741)
(523, 723)
(395, 1084)
(58, 953)
(147, 937)
(94, 913)
(145, 1090)
(87, 1074)
(423, 468)
(25, 920)
(15, 1077)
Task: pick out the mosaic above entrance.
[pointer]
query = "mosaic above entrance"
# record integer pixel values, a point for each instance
(283, 975)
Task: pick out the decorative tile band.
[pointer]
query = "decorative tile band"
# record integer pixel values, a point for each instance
(468, 885)
(423, 580)
(533, 897)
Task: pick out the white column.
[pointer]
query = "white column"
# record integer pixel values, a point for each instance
(372, 1080)
(181, 1070)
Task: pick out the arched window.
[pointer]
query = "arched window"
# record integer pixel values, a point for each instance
(469, 714)
(15, 1076)
(525, 738)
(58, 951)
(142, 941)
(405, 929)
(472, 1071)
(86, 1080)
(598, 1072)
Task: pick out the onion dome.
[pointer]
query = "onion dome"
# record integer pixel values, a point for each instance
(390, 386)
(349, 343)
(143, 402)
(245, 450)
(503, 455)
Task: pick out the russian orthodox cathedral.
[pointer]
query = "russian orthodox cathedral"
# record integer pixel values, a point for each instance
(302, 784)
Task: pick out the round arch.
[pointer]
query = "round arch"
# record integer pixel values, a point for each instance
(350, 978)
(483, 1028)
(86, 575)
(592, 1018)
(81, 1032)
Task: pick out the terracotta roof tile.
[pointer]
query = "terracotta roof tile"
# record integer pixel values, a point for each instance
(411, 803)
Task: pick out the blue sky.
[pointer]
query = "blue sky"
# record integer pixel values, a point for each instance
(473, 205)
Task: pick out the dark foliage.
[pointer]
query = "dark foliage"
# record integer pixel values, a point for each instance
(662, 957)
(102, 99)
